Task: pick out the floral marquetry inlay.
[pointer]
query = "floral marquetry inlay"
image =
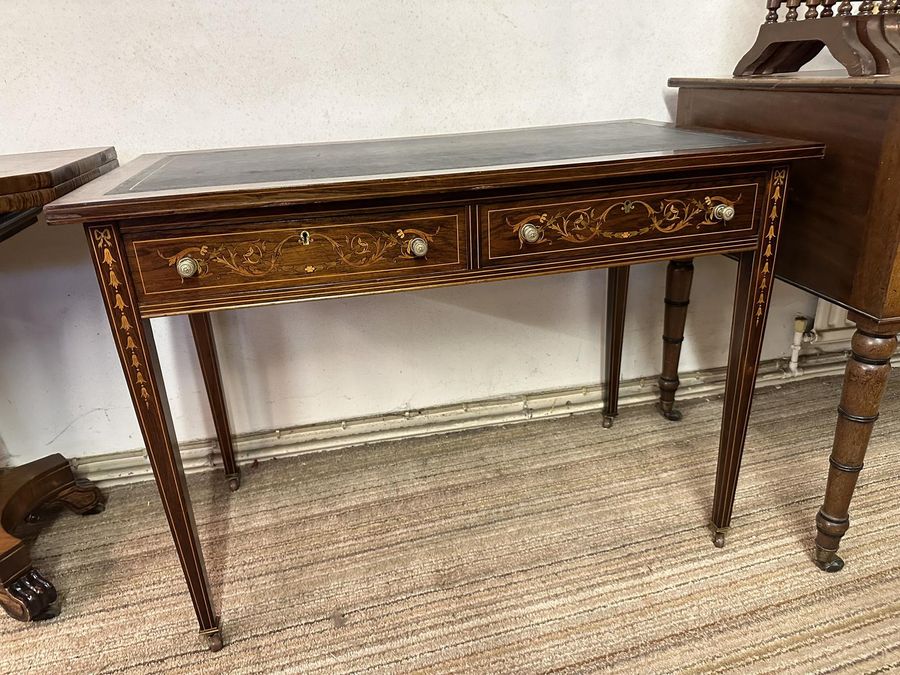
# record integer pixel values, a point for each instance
(260, 258)
(773, 220)
(586, 224)
(111, 275)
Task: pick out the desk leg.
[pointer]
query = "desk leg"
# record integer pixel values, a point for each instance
(679, 275)
(616, 301)
(133, 338)
(201, 327)
(751, 307)
(865, 380)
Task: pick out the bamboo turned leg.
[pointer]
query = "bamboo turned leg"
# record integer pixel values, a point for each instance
(617, 299)
(751, 307)
(201, 326)
(679, 275)
(133, 338)
(864, 384)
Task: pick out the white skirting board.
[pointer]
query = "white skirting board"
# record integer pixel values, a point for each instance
(133, 466)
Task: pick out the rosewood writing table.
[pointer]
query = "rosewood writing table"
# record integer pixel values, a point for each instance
(842, 239)
(28, 182)
(187, 233)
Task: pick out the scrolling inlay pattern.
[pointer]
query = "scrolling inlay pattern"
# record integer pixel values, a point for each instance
(774, 216)
(109, 265)
(583, 225)
(260, 258)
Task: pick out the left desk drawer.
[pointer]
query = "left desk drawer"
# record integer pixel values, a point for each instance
(222, 258)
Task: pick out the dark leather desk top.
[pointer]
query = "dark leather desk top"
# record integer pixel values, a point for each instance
(292, 174)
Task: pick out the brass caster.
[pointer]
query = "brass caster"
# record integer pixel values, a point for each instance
(608, 421)
(214, 641)
(719, 539)
(828, 561)
(234, 483)
(672, 415)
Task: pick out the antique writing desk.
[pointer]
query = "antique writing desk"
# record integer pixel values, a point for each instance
(842, 240)
(28, 182)
(194, 232)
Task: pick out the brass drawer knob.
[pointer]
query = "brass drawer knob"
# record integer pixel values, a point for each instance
(187, 267)
(530, 233)
(418, 247)
(723, 212)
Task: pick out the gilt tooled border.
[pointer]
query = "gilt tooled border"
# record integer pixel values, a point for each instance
(608, 244)
(393, 221)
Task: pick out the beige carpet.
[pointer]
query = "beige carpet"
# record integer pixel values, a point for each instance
(544, 547)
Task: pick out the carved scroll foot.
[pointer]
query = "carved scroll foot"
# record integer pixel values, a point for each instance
(83, 498)
(29, 597)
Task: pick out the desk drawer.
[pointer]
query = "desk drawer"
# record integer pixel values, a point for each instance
(223, 257)
(587, 225)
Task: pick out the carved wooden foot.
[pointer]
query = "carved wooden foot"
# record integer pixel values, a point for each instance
(864, 383)
(83, 498)
(29, 597)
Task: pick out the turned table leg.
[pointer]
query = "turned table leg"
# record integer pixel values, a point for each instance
(201, 327)
(616, 301)
(679, 275)
(25, 492)
(865, 380)
(751, 307)
(133, 338)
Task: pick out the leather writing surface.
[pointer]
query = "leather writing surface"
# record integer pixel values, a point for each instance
(423, 155)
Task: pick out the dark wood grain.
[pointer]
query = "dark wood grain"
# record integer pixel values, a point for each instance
(304, 228)
(616, 303)
(205, 342)
(679, 275)
(34, 179)
(27, 183)
(842, 237)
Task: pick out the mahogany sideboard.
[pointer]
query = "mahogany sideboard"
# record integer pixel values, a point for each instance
(188, 233)
(841, 241)
(28, 182)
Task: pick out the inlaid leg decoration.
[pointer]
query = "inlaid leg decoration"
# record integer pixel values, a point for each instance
(679, 275)
(864, 383)
(201, 327)
(133, 339)
(29, 597)
(751, 307)
(616, 301)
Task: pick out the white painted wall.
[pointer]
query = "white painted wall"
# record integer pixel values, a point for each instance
(185, 74)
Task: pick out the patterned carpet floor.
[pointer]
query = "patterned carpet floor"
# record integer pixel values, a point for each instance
(552, 546)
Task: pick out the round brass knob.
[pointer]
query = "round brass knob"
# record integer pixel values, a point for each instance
(187, 267)
(723, 212)
(418, 247)
(530, 233)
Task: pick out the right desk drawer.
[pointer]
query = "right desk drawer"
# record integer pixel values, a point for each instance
(602, 223)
